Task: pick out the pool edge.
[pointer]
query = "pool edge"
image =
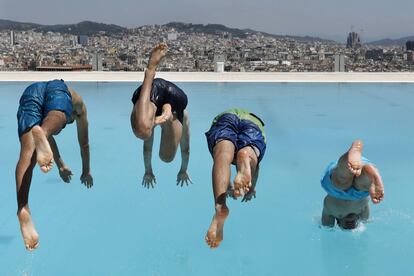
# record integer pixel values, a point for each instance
(329, 77)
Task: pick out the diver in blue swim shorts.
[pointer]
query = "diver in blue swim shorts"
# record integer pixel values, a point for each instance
(160, 102)
(349, 182)
(45, 109)
(236, 137)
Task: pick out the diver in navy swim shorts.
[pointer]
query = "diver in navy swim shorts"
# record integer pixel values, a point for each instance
(160, 102)
(236, 137)
(45, 109)
(349, 182)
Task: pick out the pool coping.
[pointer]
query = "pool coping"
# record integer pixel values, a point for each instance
(405, 77)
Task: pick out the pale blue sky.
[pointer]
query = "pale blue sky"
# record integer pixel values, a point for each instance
(324, 18)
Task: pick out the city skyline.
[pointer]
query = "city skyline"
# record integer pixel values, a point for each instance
(374, 20)
(201, 51)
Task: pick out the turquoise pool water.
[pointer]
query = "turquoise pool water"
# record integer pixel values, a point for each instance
(120, 228)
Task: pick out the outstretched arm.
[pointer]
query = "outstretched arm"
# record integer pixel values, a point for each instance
(327, 219)
(376, 189)
(149, 178)
(83, 139)
(183, 177)
(64, 171)
(365, 213)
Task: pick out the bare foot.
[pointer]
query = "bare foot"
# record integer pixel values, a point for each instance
(165, 115)
(157, 53)
(44, 154)
(243, 180)
(30, 236)
(242, 183)
(214, 234)
(354, 158)
(376, 190)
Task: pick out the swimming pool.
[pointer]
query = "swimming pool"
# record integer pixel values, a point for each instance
(120, 228)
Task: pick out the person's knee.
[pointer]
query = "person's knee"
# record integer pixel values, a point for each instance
(363, 185)
(142, 130)
(143, 134)
(363, 182)
(167, 157)
(245, 153)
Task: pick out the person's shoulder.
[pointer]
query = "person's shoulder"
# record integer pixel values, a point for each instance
(77, 101)
(76, 98)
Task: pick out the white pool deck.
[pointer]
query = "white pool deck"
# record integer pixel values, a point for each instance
(211, 77)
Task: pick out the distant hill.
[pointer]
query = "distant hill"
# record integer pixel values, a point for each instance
(92, 28)
(17, 26)
(82, 28)
(391, 42)
(242, 33)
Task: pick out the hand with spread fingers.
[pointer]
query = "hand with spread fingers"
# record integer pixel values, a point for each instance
(230, 192)
(183, 178)
(87, 180)
(66, 174)
(249, 196)
(148, 181)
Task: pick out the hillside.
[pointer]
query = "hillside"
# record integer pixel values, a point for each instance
(391, 42)
(242, 33)
(82, 28)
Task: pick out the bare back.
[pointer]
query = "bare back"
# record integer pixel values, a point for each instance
(340, 208)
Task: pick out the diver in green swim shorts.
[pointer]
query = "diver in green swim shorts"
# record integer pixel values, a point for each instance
(235, 137)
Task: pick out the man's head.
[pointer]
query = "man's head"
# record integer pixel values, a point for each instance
(349, 222)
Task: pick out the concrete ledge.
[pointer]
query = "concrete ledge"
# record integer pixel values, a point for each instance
(210, 77)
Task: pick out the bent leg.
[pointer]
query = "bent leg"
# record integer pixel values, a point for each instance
(143, 114)
(349, 166)
(370, 180)
(24, 170)
(246, 167)
(170, 139)
(223, 154)
(52, 124)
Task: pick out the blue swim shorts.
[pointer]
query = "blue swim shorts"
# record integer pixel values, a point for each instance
(350, 194)
(241, 133)
(38, 99)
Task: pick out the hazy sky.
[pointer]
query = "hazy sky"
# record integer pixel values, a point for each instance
(325, 18)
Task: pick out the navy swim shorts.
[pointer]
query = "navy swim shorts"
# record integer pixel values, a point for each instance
(164, 92)
(241, 133)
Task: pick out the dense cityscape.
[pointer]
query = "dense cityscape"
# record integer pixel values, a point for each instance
(128, 51)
